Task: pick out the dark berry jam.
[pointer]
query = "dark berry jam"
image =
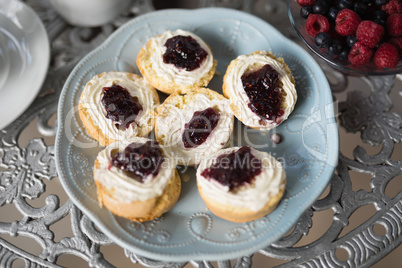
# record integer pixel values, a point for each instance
(184, 52)
(139, 160)
(234, 169)
(197, 130)
(262, 88)
(120, 106)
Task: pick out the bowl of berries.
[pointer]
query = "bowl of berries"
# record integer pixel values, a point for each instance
(358, 37)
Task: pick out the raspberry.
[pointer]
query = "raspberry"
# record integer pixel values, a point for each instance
(353, 30)
(393, 6)
(316, 23)
(304, 3)
(394, 24)
(369, 33)
(397, 42)
(359, 54)
(346, 22)
(386, 56)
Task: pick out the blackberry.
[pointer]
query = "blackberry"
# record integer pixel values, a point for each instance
(360, 9)
(322, 40)
(320, 7)
(344, 54)
(329, 2)
(305, 11)
(351, 40)
(380, 21)
(381, 2)
(335, 47)
(332, 13)
(342, 4)
(379, 14)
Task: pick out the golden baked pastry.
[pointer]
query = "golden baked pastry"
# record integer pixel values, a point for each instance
(191, 126)
(261, 89)
(176, 61)
(136, 180)
(241, 184)
(116, 106)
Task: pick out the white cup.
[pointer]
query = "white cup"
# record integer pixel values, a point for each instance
(89, 13)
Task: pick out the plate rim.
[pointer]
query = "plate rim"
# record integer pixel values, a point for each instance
(196, 255)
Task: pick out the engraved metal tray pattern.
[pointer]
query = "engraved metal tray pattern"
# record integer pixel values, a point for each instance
(367, 111)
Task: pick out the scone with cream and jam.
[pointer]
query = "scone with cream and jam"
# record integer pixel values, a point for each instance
(261, 89)
(241, 184)
(117, 106)
(176, 61)
(191, 126)
(136, 180)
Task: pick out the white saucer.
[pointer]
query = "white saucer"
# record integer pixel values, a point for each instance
(24, 58)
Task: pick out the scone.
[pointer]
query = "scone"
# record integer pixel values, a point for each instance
(136, 180)
(176, 61)
(261, 89)
(241, 184)
(191, 126)
(116, 106)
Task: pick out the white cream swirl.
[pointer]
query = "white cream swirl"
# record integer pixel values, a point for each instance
(174, 115)
(253, 196)
(127, 189)
(168, 71)
(137, 87)
(239, 98)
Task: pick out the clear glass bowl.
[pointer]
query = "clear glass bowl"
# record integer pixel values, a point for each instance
(339, 64)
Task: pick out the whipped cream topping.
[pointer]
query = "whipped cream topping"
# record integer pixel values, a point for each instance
(170, 127)
(138, 88)
(250, 63)
(253, 196)
(168, 71)
(125, 188)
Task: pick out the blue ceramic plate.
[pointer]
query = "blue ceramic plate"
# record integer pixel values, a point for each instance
(309, 150)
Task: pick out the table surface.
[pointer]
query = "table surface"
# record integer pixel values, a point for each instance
(356, 222)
